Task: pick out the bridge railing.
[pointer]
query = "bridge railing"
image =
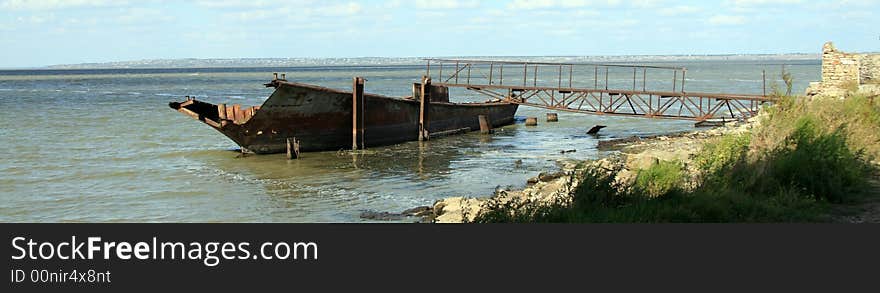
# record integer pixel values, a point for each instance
(559, 76)
(603, 89)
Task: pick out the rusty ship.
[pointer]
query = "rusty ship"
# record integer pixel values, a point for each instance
(324, 119)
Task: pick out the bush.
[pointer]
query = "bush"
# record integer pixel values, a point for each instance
(660, 179)
(817, 164)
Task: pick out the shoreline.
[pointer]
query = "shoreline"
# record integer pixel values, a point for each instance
(631, 154)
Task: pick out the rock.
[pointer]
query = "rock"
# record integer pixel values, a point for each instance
(533, 180)
(419, 211)
(548, 177)
(640, 161)
(381, 216)
(458, 209)
(438, 207)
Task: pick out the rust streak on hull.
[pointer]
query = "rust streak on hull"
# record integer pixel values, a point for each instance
(320, 118)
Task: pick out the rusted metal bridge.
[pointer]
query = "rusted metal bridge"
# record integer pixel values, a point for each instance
(589, 88)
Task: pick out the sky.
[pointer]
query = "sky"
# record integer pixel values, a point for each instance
(48, 32)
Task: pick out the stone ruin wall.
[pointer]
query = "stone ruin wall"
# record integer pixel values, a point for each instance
(869, 70)
(843, 71)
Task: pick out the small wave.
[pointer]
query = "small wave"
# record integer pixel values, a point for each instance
(194, 74)
(237, 97)
(5, 90)
(166, 95)
(134, 93)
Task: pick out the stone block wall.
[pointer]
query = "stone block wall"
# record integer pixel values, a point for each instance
(839, 69)
(869, 71)
(843, 71)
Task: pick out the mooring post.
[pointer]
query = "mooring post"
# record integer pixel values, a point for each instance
(491, 70)
(634, 79)
(292, 148)
(469, 73)
(221, 112)
(674, 79)
(552, 117)
(532, 121)
(764, 79)
(606, 78)
(485, 124)
(535, 77)
(456, 72)
(501, 75)
(236, 113)
(683, 78)
(357, 113)
(424, 107)
(570, 72)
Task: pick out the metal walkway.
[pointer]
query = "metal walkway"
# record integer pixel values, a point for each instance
(587, 88)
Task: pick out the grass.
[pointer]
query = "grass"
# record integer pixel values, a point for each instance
(804, 156)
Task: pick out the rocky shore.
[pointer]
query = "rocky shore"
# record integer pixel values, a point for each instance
(630, 155)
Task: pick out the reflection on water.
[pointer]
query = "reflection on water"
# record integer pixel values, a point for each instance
(103, 146)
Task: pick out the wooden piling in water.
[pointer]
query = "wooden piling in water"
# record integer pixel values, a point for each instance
(357, 113)
(532, 121)
(424, 107)
(292, 148)
(552, 117)
(485, 124)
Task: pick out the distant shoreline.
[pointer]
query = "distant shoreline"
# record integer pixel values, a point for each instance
(191, 63)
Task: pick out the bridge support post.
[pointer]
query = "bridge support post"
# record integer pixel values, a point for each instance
(552, 117)
(424, 108)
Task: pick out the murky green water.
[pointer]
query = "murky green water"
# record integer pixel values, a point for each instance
(103, 146)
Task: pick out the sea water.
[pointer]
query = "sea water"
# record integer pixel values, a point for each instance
(103, 146)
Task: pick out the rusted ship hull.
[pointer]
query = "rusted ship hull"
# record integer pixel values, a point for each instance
(321, 119)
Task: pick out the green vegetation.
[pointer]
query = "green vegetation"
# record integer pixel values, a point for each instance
(803, 156)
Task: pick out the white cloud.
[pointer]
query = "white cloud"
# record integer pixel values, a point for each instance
(727, 20)
(551, 4)
(645, 3)
(240, 3)
(393, 4)
(35, 19)
(751, 5)
(679, 10)
(544, 4)
(57, 4)
(350, 8)
(742, 3)
(139, 15)
(446, 4)
(295, 14)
